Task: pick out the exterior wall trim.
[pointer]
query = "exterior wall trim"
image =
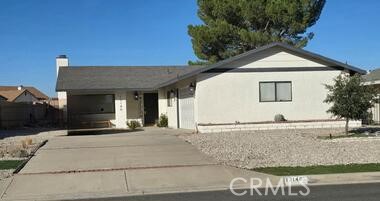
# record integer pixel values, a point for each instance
(207, 128)
(272, 122)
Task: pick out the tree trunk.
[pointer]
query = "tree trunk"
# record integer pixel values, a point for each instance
(346, 128)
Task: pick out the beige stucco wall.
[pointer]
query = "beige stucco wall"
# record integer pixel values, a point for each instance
(171, 112)
(234, 97)
(375, 110)
(127, 109)
(120, 120)
(376, 113)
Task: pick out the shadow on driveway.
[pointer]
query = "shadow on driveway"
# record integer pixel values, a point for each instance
(100, 131)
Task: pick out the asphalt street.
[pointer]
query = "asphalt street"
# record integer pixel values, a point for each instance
(349, 192)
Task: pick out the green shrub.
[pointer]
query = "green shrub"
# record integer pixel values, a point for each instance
(133, 124)
(163, 121)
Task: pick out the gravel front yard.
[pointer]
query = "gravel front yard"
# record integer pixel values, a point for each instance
(18, 144)
(285, 148)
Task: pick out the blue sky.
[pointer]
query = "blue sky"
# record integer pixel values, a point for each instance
(149, 32)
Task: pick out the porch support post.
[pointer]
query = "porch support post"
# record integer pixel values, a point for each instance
(121, 109)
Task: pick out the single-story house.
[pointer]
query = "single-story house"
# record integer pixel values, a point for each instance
(244, 92)
(373, 78)
(22, 94)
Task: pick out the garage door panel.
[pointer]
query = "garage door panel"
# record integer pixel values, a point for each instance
(186, 109)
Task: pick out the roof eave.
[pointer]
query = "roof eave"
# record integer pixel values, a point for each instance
(106, 89)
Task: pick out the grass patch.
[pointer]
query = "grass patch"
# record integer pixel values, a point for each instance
(9, 164)
(320, 169)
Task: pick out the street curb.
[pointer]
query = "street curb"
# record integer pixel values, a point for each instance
(342, 183)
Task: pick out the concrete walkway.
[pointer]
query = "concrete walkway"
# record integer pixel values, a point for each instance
(150, 161)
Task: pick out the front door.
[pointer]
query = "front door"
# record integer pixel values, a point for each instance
(150, 108)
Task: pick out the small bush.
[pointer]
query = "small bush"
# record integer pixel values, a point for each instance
(163, 121)
(133, 124)
(279, 118)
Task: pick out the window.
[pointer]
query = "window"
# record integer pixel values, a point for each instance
(275, 91)
(169, 98)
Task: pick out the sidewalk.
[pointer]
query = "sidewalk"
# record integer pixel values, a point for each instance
(149, 181)
(123, 182)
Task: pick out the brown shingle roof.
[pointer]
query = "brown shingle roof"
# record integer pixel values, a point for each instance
(11, 95)
(117, 77)
(35, 92)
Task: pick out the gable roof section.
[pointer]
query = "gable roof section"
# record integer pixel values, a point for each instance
(12, 95)
(35, 92)
(373, 76)
(247, 55)
(117, 77)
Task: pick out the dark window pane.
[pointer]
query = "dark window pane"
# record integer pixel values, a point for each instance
(92, 104)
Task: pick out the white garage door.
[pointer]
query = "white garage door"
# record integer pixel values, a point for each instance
(186, 109)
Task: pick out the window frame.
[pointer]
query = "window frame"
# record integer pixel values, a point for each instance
(275, 91)
(169, 99)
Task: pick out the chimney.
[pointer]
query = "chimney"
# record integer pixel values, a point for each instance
(61, 61)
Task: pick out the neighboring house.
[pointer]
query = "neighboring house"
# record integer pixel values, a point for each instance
(373, 78)
(244, 92)
(22, 94)
(2, 98)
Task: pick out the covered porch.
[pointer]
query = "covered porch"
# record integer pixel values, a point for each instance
(111, 109)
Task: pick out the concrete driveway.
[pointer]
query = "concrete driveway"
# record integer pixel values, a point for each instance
(150, 161)
(148, 149)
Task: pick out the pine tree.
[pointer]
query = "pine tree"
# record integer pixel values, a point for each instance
(232, 27)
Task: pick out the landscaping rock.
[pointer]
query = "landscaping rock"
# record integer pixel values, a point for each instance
(20, 153)
(253, 149)
(20, 146)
